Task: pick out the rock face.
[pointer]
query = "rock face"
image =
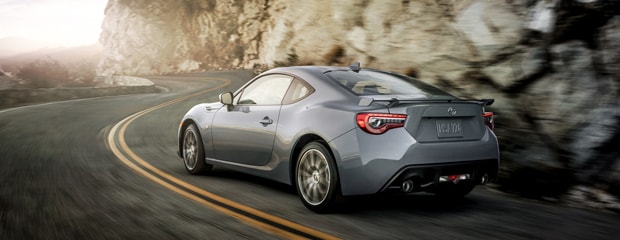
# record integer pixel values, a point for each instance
(553, 66)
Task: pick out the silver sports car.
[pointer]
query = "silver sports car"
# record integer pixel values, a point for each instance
(342, 131)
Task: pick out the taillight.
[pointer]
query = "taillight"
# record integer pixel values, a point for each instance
(378, 123)
(488, 120)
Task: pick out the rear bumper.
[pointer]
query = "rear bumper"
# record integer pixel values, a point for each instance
(369, 164)
(427, 177)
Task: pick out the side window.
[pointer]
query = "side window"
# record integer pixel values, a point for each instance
(267, 90)
(297, 91)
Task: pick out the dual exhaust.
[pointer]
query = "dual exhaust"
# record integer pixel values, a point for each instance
(412, 184)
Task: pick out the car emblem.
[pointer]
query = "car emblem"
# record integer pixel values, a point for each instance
(452, 111)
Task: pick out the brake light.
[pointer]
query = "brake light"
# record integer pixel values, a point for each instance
(489, 120)
(378, 123)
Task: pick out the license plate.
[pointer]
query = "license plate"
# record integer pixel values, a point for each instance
(449, 128)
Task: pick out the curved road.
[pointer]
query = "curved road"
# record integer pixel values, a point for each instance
(106, 168)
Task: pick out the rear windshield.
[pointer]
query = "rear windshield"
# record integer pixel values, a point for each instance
(372, 82)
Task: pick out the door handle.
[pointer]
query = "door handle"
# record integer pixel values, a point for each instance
(266, 121)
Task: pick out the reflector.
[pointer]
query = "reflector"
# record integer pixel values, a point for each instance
(489, 120)
(454, 178)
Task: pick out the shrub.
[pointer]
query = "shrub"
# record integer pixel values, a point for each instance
(82, 74)
(44, 73)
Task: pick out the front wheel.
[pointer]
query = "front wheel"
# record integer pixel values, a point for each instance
(193, 152)
(317, 178)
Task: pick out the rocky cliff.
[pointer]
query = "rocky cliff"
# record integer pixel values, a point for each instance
(552, 65)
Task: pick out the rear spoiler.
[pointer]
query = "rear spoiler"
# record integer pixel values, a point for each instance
(365, 102)
(487, 101)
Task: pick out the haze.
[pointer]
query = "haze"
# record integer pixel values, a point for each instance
(28, 25)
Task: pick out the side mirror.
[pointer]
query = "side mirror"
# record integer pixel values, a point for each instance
(227, 99)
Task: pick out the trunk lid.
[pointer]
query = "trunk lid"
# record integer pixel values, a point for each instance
(443, 122)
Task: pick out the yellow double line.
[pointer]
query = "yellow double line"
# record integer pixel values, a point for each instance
(253, 217)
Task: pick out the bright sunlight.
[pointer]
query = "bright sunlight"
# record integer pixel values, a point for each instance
(52, 23)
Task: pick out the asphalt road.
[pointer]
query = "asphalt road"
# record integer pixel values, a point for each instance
(93, 169)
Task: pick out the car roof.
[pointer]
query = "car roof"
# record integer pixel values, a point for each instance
(312, 72)
(306, 70)
(317, 75)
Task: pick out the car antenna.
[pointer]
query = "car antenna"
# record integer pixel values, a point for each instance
(355, 67)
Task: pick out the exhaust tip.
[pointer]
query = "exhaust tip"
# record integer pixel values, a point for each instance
(484, 179)
(407, 186)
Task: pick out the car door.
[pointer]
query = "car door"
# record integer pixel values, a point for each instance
(245, 133)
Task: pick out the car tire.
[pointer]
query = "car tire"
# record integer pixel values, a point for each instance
(316, 178)
(193, 152)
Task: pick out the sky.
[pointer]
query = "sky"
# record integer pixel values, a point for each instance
(53, 23)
